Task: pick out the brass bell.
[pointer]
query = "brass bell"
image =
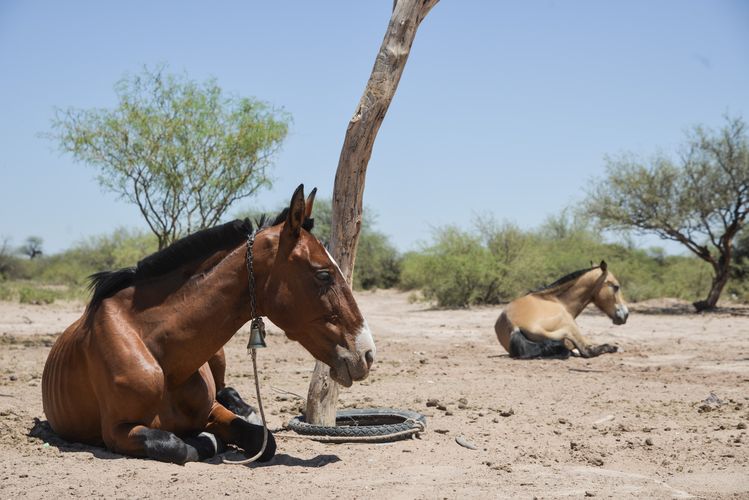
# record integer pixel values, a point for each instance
(257, 334)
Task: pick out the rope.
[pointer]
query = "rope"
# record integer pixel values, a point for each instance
(262, 415)
(257, 322)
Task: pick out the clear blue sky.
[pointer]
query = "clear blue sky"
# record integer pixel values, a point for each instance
(504, 108)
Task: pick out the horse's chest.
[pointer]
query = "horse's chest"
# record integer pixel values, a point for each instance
(186, 407)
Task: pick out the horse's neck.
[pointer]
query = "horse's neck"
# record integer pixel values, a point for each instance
(577, 297)
(206, 313)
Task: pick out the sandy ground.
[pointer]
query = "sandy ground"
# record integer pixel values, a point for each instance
(631, 424)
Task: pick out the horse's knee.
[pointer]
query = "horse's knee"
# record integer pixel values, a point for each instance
(250, 439)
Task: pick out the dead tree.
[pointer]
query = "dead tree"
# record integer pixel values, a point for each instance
(348, 190)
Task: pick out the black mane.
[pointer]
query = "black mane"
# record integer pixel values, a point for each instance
(564, 279)
(192, 247)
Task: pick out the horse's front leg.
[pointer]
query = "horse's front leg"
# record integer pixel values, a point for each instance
(141, 441)
(230, 428)
(572, 334)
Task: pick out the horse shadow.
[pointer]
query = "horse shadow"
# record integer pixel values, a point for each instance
(43, 431)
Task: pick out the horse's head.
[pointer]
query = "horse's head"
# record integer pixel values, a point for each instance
(305, 294)
(608, 297)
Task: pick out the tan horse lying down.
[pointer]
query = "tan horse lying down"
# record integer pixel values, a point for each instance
(542, 323)
(142, 371)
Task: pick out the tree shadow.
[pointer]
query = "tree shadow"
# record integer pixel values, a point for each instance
(687, 309)
(283, 459)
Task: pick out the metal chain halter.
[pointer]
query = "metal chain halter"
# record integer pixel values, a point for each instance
(257, 339)
(257, 326)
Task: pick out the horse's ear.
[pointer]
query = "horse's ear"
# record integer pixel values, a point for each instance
(295, 217)
(603, 265)
(310, 202)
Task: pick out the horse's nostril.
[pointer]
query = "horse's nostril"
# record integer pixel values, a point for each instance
(369, 357)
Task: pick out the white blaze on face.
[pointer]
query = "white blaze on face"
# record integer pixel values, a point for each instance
(333, 261)
(364, 339)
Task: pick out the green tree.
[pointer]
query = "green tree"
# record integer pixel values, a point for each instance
(700, 201)
(183, 152)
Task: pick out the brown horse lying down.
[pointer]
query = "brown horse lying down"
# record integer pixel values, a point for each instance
(140, 370)
(542, 323)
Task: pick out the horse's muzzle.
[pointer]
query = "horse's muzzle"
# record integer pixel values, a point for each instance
(351, 366)
(621, 315)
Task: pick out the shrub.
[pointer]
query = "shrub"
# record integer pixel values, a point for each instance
(498, 262)
(35, 295)
(378, 264)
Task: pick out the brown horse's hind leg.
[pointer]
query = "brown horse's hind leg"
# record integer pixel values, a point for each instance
(237, 431)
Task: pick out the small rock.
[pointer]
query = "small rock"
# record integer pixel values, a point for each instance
(448, 413)
(13, 378)
(589, 494)
(573, 445)
(463, 401)
(507, 413)
(465, 443)
(442, 407)
(741, 425)
(562, 420)
(441, 431)
(432, 402)
(649, 442)
(710, 403)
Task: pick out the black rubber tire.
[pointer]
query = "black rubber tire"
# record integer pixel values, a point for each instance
(369, 422)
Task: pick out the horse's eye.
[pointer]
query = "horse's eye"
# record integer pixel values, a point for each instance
(615, 287)
(324, 276)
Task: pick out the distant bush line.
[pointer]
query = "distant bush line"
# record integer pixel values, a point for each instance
(488, 263)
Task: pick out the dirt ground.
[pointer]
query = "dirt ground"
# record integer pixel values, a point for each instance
(638, 423)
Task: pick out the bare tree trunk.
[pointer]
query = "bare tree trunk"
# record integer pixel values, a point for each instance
(348, 191)
(719, 282)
